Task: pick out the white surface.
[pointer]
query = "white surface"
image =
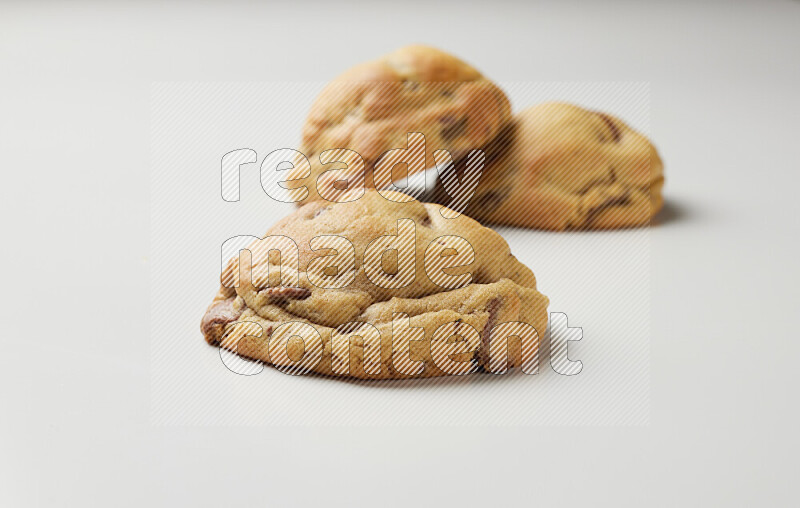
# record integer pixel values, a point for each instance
(75, 137)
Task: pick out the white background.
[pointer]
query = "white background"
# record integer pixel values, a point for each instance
(75, 139)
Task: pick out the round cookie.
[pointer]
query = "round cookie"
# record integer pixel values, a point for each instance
(371, 109)
(561, 167)
(499, 289)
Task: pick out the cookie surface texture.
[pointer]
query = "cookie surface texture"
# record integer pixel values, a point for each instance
(563, 167)
(372, 108)
(368, 318)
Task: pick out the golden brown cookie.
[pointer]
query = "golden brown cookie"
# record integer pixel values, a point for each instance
(372, 108)
(355, 316)
(560, 166)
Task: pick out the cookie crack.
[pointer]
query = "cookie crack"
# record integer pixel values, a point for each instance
(616, 133)
(593, 213)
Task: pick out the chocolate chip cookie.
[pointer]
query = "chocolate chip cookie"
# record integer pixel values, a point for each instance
(373, 107)
(561, 167)
(338, 299)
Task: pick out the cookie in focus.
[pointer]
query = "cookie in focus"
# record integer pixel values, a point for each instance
(498, 290)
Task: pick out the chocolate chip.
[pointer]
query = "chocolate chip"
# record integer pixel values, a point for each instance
(452, 127)
(595, 211)
(616, 134)
(284, 294)
(216, 318)
(599, 182)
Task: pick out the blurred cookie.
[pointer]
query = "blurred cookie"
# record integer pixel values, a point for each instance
(476, 294)
(372, 108)
(560, 166)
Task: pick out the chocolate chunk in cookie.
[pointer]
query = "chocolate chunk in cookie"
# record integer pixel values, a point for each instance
(220, 314)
